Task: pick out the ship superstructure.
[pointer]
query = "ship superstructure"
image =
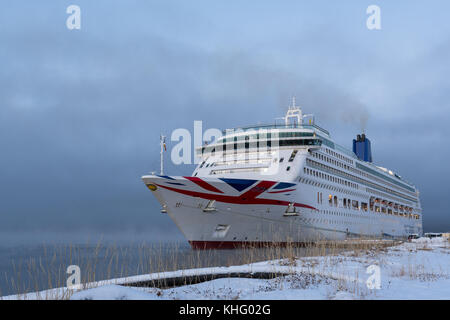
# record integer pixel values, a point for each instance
(287, 182)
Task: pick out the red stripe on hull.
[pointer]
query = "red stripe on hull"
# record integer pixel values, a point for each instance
(257, 190)
(205, 245)
(203, 184)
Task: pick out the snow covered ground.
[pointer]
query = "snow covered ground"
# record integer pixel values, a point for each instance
(412, 270)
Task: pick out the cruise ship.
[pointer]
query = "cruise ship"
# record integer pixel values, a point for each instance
(286, 183)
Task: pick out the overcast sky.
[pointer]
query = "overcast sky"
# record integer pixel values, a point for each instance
(81, 110)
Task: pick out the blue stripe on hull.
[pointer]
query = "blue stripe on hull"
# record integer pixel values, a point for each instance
(239, 184)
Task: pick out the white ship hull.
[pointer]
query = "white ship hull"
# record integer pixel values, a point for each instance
(262, 213)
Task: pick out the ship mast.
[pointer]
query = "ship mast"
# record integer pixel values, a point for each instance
(162, 142)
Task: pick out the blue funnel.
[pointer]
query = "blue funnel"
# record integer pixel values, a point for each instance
(362, 149)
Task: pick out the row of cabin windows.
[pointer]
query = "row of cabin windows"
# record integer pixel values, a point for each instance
(357, 171)
(234, 160)
(336, 222)
(380, 180)
(329, 177)
(358, 179)
(346, 203)
(268, 136)
(288, 168)
(339, 156)
(395, 213)
(350, 168)
(381, 195)
(389, 207)
(363, 206)
(342, 214)
(330, 160)
(262, 144)
(291, 159)
(328, 186)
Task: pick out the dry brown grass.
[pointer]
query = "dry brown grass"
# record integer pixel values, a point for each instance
(106, 261)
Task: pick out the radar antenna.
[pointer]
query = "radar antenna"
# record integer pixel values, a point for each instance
(294, 114)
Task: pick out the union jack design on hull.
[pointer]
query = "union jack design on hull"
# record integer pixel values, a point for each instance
(247, 197)
(230, 213)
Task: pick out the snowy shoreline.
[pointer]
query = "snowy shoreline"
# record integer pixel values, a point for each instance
(419, 269)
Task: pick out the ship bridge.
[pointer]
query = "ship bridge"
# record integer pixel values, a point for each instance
(260, 138)
(272, 149)
(292, 133)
